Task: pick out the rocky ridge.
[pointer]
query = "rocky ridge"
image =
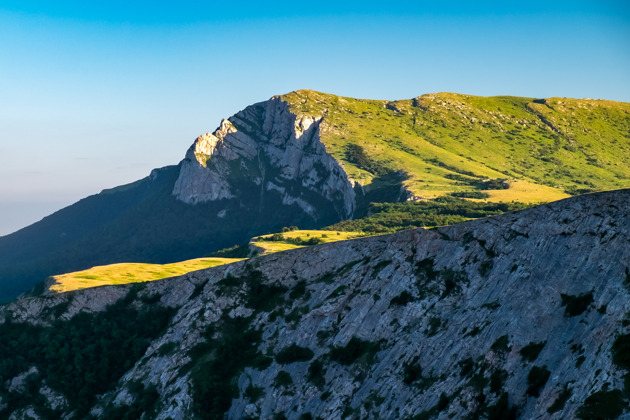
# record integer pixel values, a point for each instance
(275, 149)
(513, 316)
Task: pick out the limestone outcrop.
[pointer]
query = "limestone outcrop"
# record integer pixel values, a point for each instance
(275, 149)
(515, 316)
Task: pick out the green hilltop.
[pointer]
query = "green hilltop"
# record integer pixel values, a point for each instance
(449, 143)
(434, 160)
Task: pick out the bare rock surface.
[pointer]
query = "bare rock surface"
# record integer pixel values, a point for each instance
(438, 323)
(273, 147)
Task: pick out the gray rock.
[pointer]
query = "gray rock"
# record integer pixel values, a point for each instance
(18, 383)
(286, 150)
(27, 413)
(445, 312)
(54, 399)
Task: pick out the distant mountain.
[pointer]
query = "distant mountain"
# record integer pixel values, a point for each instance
(522, 315)
(311, 159)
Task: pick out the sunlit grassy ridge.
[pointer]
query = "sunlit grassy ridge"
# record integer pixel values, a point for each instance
(130, 273)
(137, 272)
(545, 148)
(268, 244)
(124, 273)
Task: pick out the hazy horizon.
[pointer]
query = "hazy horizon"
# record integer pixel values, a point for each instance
(95, 96)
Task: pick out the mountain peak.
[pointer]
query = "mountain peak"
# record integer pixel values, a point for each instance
(313, 159)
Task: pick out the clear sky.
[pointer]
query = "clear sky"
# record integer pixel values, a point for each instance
(96, 94)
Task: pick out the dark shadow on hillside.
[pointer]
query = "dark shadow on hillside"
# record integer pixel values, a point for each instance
(387, 188)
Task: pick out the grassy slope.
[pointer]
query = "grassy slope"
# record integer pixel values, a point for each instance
(268, 246)
(130, 273)
(446, 141)
(123, 273)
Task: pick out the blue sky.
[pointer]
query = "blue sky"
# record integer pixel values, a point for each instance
(96, 94)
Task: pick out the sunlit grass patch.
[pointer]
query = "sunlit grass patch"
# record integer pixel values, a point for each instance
(277, 242)
(124, 273)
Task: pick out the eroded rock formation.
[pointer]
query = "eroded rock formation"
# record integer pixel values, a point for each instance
(517, 315)
(275, 149)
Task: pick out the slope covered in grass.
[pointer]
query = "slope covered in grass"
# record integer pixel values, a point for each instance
(124, 273)
(446, 142)
(277, 242)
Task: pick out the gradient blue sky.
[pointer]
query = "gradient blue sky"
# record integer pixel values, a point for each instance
(96, 94)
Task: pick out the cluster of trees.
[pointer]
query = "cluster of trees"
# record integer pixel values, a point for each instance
(279, 237)
(213, 381)
(82, 357)
(392, 217)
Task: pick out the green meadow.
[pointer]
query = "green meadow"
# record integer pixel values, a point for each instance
(543, 149)
(123, 273)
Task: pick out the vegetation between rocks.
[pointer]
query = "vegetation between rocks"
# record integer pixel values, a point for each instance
(576, 305)
(82, 357)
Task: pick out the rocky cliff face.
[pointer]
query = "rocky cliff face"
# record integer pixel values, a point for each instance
(521, 315)
(275, 149)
